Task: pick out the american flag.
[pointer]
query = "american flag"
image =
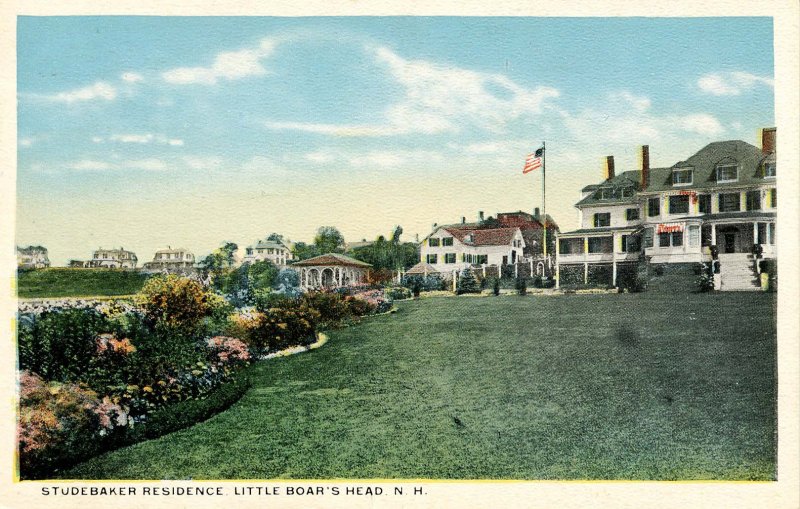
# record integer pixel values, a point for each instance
(533, 161)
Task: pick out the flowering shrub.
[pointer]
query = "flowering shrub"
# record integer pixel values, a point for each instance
(376, 300)
(175, 301)
(59, 421)
(332, 308)
(226, 350)
(705, 280)
(397, 293)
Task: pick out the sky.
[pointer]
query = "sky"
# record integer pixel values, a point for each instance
(148, 132)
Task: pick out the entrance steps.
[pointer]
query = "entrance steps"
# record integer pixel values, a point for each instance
(738, 273)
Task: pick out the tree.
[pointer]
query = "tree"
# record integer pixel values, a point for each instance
(219, 262)
(303, 251)
(467, 283)
(329, 240)
(275, 237)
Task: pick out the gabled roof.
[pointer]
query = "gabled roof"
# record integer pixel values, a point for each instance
(422, 268)
(484, 237)
(332, 259)
(625, 180)
(177, 250)
(261, 244)
(704, 163)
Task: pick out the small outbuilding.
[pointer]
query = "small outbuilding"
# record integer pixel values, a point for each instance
(332, 270)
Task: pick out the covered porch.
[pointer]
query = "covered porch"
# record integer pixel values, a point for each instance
(740, 234)
(597, 246)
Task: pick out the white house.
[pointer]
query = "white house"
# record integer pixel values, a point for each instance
(171, 259)
(113, 259)
(454, 247)
(276, 252)
(32, 257)
(718, 204)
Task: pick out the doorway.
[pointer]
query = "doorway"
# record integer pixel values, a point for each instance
(729, 245)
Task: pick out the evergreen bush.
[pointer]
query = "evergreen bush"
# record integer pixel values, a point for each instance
(467, 283)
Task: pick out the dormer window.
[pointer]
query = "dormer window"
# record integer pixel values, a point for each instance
(605, 193)
(469, 237)
(769, 170)
(626, 192)
(682, 176)
(727, 173)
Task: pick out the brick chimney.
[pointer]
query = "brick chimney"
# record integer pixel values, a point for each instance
(463, 219)
(609, 168)
(645, 168)
(480, 215)
(536, 212)
(768, 140)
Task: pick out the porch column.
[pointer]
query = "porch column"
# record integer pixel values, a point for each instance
(755, 233)
(340, 277)
(713, 235)
(614, 259)
(483, 267)
(585, 260)
(558, 267)
(516, 269)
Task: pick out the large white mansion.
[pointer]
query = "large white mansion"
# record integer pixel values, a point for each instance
(718, 204)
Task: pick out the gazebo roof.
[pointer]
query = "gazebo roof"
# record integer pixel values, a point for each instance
(334, 259)
(422, 268)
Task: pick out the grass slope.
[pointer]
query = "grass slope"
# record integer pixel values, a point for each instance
(631, 386)
(67, 282)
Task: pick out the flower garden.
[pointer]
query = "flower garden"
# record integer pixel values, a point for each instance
(97, 375)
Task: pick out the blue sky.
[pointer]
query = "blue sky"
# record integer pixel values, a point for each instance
(153, 131)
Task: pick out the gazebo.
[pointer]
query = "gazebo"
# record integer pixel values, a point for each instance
(331, 270)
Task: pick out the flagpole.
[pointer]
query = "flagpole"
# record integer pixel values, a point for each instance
(544, 203)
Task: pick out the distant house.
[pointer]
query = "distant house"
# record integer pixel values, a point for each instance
(32, 257)
(332, 270)
(113, 259)
(452, 248)
(277, 252)
(532, 230)
(171, 259)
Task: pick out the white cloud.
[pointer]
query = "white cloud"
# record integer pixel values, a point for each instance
(89, 164)
(702, 123)
(439, 99)
(493, 147)
(388, 158)
(132, 77)
(625, 120)
(343, 130)
(442, 98)
(203, 163)
(26, 142)
(99, 90)
(322, 156)
(141, 139)
(732, 83)
(151, 164)
(132, 138)
(230, 65)
(639, 103)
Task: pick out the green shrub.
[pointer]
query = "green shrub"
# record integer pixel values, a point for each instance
(521, 285)
(429, 283)
(496, 286)
(332, 308)
(467, 283)
(398, 293)
(187, 413)
(178, 302)
(60, 345)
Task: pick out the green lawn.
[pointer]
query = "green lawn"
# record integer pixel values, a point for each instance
(64, 282)
(630, 386)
